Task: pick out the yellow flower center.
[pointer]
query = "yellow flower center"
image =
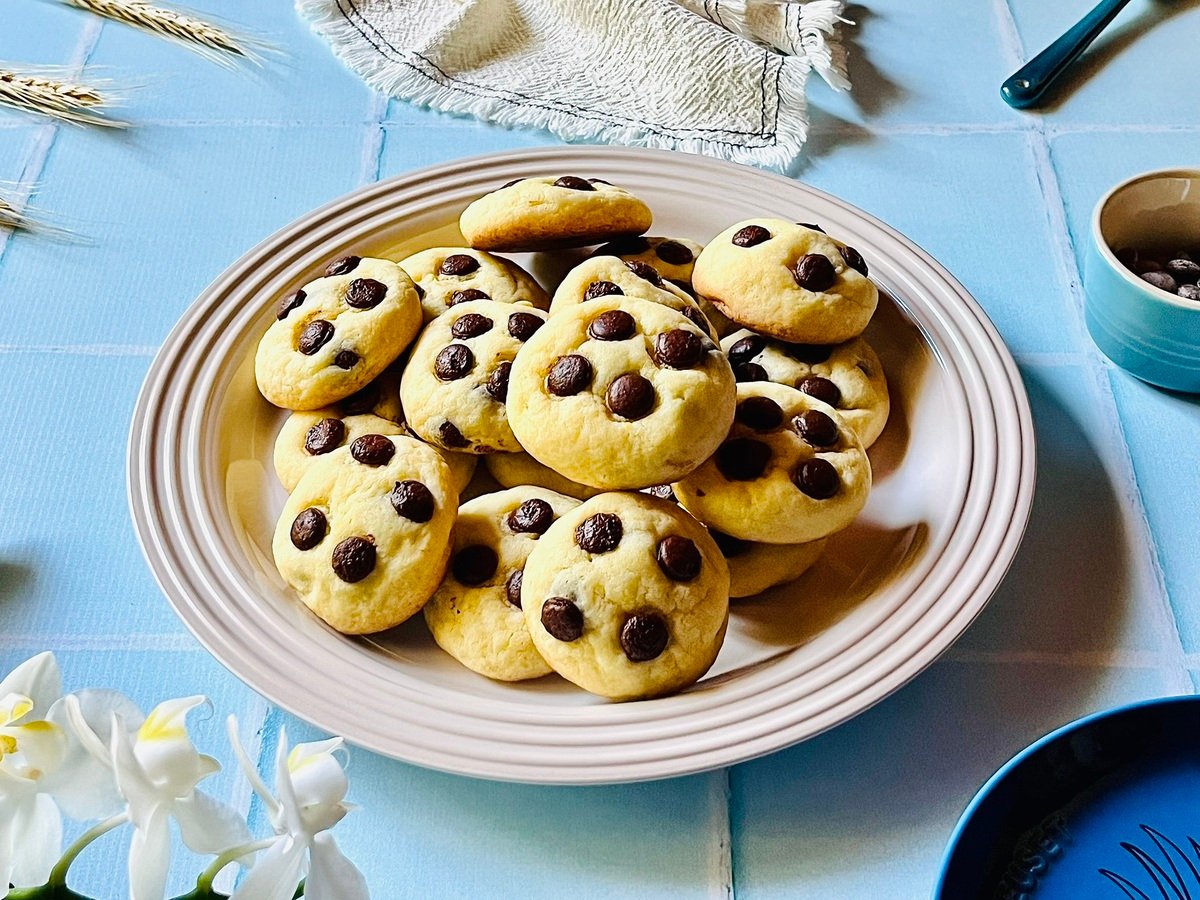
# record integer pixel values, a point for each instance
(8, 744)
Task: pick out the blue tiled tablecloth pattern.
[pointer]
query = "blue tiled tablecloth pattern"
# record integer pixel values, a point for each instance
(1102, 606)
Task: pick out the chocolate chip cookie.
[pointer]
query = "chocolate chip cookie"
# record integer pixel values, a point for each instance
(365, 537)
(447, 276)
(553, 212)
(788, 281)
(754, 567)
(336, 334)
(849, 376)
(790, 470)
(455, 387)
(476, 616)
(514, 469)
(620, 393)
(627, 596)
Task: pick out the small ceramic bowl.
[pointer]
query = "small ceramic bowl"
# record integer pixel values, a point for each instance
(1148, 332)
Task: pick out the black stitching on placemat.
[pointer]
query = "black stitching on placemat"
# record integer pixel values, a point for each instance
(382, 45)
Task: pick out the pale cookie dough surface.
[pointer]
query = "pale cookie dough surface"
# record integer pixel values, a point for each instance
(849, 377)
(476, 616)
(760, 285)
(365, 536)
(672, 257)
(607, 276)
(337, 333)
(455, 386)
(751, 487)
(644, 405)
(552, 212)
(307, 436)
(755, 567)
(513, 469)
(627, 596)
(446, 276)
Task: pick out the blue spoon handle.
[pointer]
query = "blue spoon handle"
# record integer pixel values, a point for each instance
(1027, 85)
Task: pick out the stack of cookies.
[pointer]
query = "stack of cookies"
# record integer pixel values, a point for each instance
(676, 426)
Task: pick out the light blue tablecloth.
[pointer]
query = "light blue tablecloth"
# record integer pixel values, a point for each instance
(1102, 606)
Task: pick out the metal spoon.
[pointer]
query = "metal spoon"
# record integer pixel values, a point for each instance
(1027, 85)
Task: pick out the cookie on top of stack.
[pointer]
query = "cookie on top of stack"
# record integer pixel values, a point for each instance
(680, 425)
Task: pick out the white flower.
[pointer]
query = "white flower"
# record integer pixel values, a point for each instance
(157, 770)
(311, 786)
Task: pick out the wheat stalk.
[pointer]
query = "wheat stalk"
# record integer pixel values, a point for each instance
(45, 93)
(211, 40)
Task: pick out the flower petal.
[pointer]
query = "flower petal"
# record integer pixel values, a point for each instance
(141, 795)
(250, 770)
(39, 679)
(319, 783)
(331, 876)
(41, 746)
(84, 786)
(150, 858)
(208, 826)
(166, 752)
(289, 819)
(276, 874)
(38, 843)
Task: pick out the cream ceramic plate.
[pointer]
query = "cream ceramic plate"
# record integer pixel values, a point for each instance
(954, 480)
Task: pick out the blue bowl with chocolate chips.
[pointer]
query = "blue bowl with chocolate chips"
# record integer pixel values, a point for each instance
(1142, 277)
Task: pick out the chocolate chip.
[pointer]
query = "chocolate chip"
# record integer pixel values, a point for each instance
(325, 436)
(1142, 266)
(1189, 292)
(598, 289)
(562, 619)
(750, 236)
(575, 184)
(630, 396)
(759, 413)
(466, 296)
(309, 529)
(678, 558)
(372, 450)
(644, 637)
(316, 334)
(412, 500)
(674, 253)
(600, 181)
(288, 303)
(343, 265)
(471, 325)
(728, 544)
(346, 359)
(816, 428)
(749, 372)
(811, 226)
(817, 478)
(613, 325)
(599, 533)
(361, 401)
(569, 375)
(821, 388)
(451, 436)
(693, 315)
(531, 517)
(511, 183)
(628, 246)
(808, 353)
(854, 260)
(815, 273)
(458, 264)
(453, 362)
(365, 293)
(474, 564)
(1185, 271)
(683, 286)
(1162, 281)
(1127, 256)
(523, 326)
(497, 382)
(743, 459)
(746, 349)
(512, 587)
(663, 492)
(354, 559)
(644, 271)
(678, 349)
(420, 291)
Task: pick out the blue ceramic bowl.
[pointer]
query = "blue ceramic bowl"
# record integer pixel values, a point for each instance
(1106, 807)
(1144, 330)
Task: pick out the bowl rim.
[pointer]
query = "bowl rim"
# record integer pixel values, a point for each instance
(1145, 288)
(1019, 758)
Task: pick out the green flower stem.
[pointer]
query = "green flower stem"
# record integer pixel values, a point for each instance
(58, 875)
(204, 882)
